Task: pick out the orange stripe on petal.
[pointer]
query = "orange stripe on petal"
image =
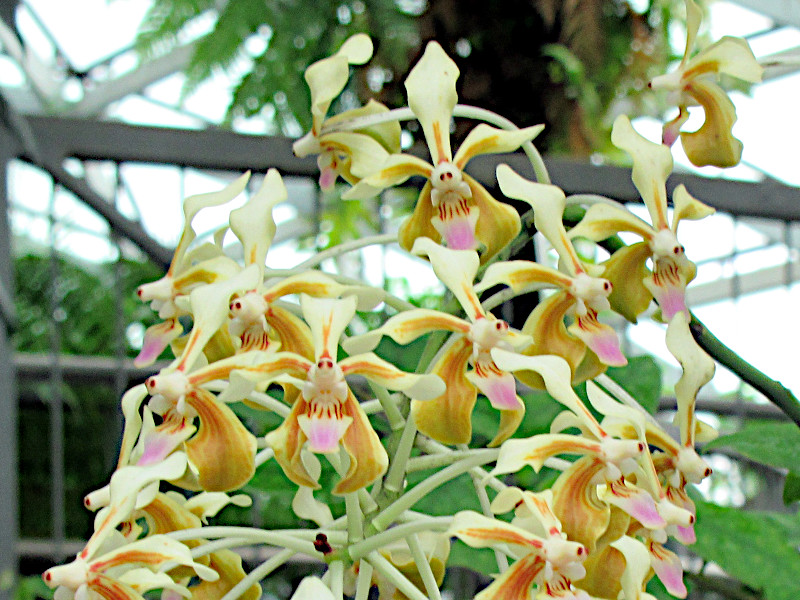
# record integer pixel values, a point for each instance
(516, 582)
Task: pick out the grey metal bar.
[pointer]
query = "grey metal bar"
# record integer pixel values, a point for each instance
(37, 366)
(733, 407)
(218, 149)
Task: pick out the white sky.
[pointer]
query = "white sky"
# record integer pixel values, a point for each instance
(89, 30)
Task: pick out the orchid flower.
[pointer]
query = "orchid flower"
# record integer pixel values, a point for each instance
(188, 270)
(109, 565)
(349, 154)
(634, 285)
(327, 414)
(598, 480)
(550, 562)
(695, 80)
(257, 321)
(588, 345)
(453, 208)
(448, 418)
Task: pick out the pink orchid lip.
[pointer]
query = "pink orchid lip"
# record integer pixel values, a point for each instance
(156, 339)
(685, 535)
(460, 235)
(672, 301)
(638, 504)
(606, 346)
(668, 569)
(327, 177)
(501, 390)
(323, 433)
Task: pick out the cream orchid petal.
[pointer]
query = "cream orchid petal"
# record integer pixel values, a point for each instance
(456, 269)
(418, 387)
(694, 15)
(522, 275)
(193, 205)
(253, 223)
(327, 78)
(637, 567)
(143, 580)
(485, 139)
(698, 369)
(405, 327)
(208, 504)
(124, 489)
(611, 409)
(533, 451)
(130, 403)
(516, 582)
(479, 531)
(729, 55)
(602, 221)
(431, 88)
(548, 203)
(305, 506)
(652, 164)
(394, 171)
(328, 318)
(312, 588)
(151, 552)
(210, 310)
(557, 376)
(363, 154)
(687, 207)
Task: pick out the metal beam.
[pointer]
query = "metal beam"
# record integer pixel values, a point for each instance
(218, 149)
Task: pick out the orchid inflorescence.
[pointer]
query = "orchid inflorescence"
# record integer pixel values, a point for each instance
(601, 531)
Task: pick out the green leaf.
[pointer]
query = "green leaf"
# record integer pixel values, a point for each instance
(641, 378)
(774, 444)
(791, 488)
(751, 546)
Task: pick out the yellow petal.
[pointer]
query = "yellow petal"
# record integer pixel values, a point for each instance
(479, 531)
(287, 442)
(729, 55)
(698, 369)
(522, 275)
(327, 319)
(713, 144)
(602, 221)
(368, 458)
(516, 582)
(583, 517)
(456, 269)
(550, 336)
(448, 418)
(485, 139)
(419, 224)
(687, 207)
(652, 164)
(253, 223)
(418, 387)
(534, 451)
(229, 566)
(548, 203)
(326, 78)
(405, 327)
(293, 334)
(626, 270)
(223, 451)
(394, 171)
(431, 88)
(386, 134)
(498, 223)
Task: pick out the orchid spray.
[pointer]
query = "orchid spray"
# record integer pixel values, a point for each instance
(353, 425)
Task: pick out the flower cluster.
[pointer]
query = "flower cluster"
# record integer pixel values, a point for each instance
(601, 531)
